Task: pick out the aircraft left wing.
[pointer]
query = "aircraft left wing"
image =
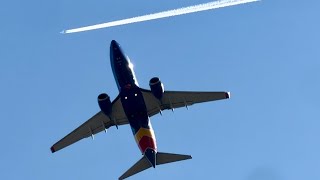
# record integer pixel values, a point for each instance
(99, 122)
(177, 99)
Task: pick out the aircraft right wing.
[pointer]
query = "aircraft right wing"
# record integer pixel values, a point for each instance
(177, 99)
(94, 125)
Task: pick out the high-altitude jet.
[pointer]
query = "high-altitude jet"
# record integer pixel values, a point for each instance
(134, 106)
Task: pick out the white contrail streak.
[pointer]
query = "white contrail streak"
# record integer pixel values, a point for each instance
(164, 14)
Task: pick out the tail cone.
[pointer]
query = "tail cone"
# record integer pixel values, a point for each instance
(151, 156)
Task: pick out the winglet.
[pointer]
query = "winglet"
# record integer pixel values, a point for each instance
(52, 149)
(227, 94)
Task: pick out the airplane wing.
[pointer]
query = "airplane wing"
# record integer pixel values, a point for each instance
(177, 99)
(99, 122)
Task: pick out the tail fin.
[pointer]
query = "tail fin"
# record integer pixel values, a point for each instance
(162, 158)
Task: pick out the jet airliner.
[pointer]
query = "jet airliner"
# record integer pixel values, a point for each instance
(135, 106)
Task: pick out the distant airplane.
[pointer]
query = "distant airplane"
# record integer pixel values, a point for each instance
(134, 106)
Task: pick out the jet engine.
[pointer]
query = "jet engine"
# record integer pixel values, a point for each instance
(156, 87)
(105, 103)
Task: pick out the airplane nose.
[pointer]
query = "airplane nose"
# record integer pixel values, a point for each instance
(114, 45)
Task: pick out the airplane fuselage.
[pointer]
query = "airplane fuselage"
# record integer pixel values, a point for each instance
(132, 101)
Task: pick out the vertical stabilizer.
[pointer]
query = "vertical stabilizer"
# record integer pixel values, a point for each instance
(150, 154)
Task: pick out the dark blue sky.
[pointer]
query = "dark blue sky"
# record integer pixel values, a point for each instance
(266, 53)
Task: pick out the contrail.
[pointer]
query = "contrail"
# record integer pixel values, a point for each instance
(164, 14)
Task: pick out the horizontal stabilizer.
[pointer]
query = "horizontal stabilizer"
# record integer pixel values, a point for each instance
(141, 165)
(163, 158)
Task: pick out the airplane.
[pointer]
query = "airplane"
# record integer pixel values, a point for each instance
(135, 106)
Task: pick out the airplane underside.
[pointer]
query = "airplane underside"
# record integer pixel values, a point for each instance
(135, 106)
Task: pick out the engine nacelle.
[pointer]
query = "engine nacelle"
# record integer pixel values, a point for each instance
(156, 87)
(105, 103)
